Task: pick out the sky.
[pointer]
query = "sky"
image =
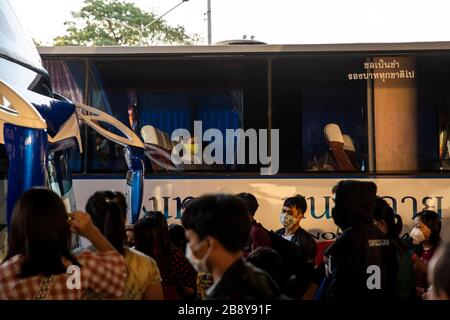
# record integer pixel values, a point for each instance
(271, 21)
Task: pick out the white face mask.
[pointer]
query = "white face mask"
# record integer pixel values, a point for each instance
(287, 220)
(417, 236)
(198, 264)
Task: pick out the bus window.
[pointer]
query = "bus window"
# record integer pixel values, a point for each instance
(411, 112)
(341, 111)
(317, 109)
(162, 95)
(103, 156)
(59, 178)
(68, 78)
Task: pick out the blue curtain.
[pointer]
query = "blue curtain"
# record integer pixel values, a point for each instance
(216, 111)
(165, 111)
(170, 111)
(118, 105)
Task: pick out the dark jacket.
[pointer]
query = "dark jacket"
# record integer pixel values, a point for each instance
(349, 259)
(243, 281)
(304, 265)
(306, 243)
(362, 257)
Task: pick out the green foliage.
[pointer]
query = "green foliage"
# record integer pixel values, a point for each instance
(114, 22)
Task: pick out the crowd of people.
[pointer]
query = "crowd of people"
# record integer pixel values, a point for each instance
(221, 252)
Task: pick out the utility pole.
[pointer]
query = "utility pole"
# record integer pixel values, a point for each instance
(208, 14)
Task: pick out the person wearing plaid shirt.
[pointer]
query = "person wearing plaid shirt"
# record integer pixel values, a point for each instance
(39, 257)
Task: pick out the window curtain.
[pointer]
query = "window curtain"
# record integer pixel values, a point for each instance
(234, 77)
(165, 111)
(63, 79)
(217, 111)
(99, 97)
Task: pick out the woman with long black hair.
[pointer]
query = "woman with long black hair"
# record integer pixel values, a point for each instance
(39, 256)
(151, 235)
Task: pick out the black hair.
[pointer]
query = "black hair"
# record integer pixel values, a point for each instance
(382, 211)
(441, 270)
(268, 260)
(177, 237)
(431, 220)
(40, 233)
(222, 216)
(354, 203)
(250, 200)
(151, 236)
(108, 212)
(298, 201)
(186, 202)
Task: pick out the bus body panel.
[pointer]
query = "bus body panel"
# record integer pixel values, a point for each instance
(406, 195)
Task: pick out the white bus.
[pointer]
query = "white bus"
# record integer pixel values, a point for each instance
(388, 103)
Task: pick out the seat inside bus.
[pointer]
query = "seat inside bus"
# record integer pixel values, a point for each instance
(154, 136)
(342, 148)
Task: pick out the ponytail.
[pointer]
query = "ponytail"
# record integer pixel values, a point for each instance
(114, 226)
(108, 214)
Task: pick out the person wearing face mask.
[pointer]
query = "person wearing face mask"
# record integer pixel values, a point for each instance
(425, 239)
(293, 212)
(217, 229)
(204, 279)
(425, 234)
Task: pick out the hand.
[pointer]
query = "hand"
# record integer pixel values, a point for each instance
(81, 223)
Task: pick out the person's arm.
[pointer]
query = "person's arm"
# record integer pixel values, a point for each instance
(154, 292)
(81, 223)
(343, 268)
(311, 291)
(188, 291)
(104, 271)
(187, 277)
